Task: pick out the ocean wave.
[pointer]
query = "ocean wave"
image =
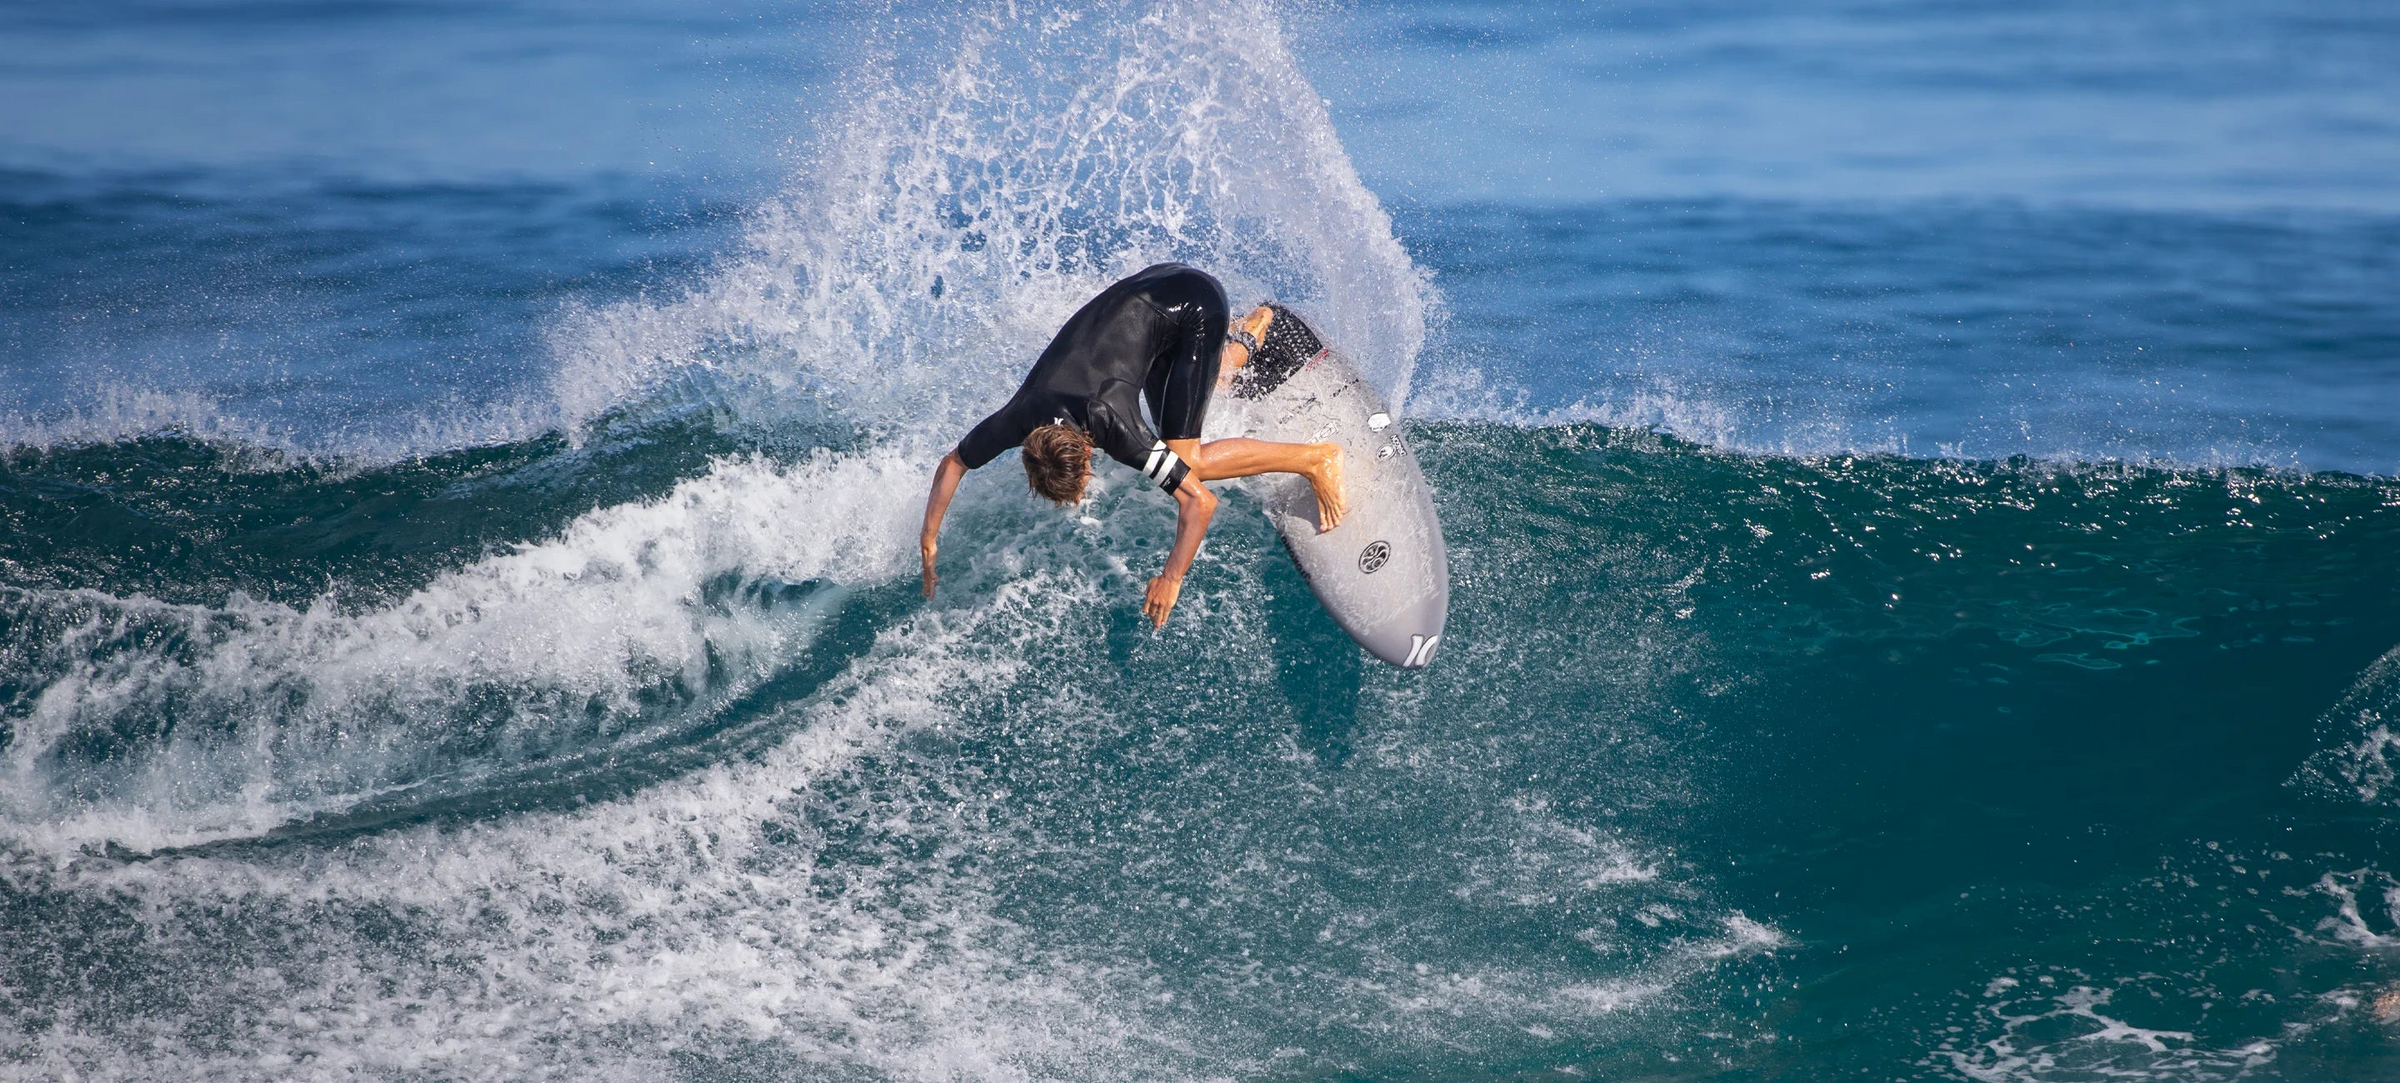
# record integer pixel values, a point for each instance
(443, 798)
(148, 724)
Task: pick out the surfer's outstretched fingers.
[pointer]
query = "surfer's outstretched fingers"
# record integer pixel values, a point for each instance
(1159, 600)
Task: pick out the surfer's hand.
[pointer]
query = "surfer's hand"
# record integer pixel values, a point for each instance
(945, 486)
(1160, 600)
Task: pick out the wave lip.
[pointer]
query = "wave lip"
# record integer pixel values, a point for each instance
(959, 208)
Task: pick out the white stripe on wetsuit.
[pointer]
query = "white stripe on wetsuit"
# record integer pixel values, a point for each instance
(1162, 463)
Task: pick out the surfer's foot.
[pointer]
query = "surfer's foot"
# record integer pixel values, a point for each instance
(1325, 476)
(1256, 324)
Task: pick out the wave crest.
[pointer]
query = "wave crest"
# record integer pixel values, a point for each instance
(955, 213)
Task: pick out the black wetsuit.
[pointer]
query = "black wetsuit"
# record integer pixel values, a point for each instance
(1155, 335)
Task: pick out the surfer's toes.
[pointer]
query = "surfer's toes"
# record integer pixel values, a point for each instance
(1260, 319)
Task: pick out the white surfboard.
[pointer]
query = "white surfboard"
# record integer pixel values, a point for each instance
(1383, 574)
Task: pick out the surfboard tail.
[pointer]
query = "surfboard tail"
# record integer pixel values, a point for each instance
(1290, 345)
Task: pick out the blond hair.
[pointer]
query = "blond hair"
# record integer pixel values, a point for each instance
(1058, 460)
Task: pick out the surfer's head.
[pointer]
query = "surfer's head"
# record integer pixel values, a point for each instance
(1058, 461)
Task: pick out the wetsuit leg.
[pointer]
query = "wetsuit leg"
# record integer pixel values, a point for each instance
(1179, 382)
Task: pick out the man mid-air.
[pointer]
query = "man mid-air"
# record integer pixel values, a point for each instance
(1162, 334)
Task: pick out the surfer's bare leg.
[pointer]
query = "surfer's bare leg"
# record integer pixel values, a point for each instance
(1241, 457)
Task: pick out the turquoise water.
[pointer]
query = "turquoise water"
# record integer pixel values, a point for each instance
(1920, 486)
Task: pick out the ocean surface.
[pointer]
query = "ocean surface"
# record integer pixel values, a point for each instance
(1922, 481)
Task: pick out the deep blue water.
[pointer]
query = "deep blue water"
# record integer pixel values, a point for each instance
(1920, 480)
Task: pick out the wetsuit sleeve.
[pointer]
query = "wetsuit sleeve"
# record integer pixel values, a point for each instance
(993, 435)
(1129, 441)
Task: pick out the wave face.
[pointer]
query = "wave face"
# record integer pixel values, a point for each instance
(692, 783)
(600, 732)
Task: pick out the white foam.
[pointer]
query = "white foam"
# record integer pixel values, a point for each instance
(603, 943)
(122, 410)
(2360, 756)
(1539, 859)
(2356, 893)
(2054, 1030)
(262, 713)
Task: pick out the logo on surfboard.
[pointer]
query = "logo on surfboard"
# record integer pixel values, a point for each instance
(1372, 558)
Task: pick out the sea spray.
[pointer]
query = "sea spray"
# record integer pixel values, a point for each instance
(958, 209)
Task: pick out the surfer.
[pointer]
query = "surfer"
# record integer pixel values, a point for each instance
(1164, 335)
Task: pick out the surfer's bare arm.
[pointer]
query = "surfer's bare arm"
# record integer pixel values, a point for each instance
(945, 485)
(1194, 506)
(1241, 457)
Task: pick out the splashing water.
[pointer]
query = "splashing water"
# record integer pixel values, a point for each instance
(956, 215)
